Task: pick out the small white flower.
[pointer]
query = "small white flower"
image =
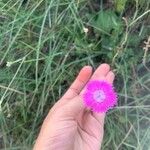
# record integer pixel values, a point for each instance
(9, 115)
(86, 30)
(9, 64)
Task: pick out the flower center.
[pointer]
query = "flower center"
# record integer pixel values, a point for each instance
(99, 95)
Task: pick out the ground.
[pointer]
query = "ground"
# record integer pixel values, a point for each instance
(43, 44)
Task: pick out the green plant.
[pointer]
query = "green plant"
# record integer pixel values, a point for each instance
(120, 5)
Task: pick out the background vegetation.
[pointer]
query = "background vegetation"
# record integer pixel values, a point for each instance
(44, 43)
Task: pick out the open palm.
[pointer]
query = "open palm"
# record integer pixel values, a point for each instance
(69, 124)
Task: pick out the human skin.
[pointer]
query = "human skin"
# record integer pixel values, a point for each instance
(69, 125)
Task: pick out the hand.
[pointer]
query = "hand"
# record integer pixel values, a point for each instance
(71, 126)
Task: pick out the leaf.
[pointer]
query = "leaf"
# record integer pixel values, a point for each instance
(106, 21)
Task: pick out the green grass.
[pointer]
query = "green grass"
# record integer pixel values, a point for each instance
(42, 47)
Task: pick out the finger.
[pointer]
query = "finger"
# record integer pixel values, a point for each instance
(101, 71)
(79, 83)
(81, 80)
(110, 77)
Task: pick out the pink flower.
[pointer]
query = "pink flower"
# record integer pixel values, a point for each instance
(100, 96)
